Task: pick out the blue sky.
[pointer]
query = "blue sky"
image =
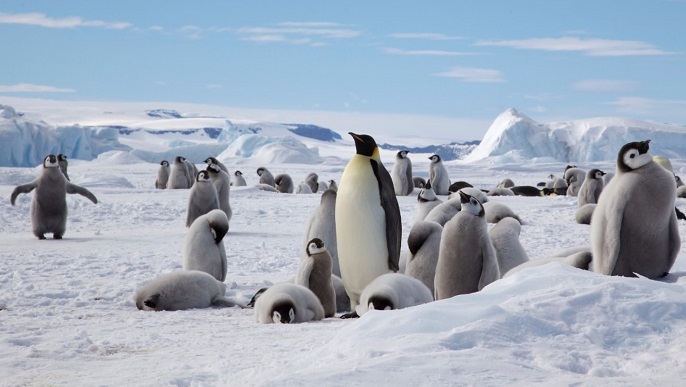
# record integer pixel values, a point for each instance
(459, 62)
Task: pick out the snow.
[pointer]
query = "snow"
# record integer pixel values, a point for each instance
(68, 317)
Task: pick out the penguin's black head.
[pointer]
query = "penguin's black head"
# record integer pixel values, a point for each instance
(314, 246)
(283, 312)
(633, 156)
(364, 144)
(380, 303)
(50, 161)
(164, 163)
(202, 176)
(62, 157)
(595, 173)
(435, 158)
(260, 171)
(238, 173)
(210, 160)
(569, 166)
(471, 204)
(179, 159)
(212, 167)
(402, 154)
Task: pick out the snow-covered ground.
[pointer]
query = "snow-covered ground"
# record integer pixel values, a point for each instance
(67, 316)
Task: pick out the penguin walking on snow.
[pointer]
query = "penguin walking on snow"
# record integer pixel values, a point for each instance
(401, 174)
(368, 224)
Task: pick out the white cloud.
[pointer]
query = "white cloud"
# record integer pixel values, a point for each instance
(424, 35)
(192, 32)
(470, 74)
(648, 105)
(30, 88)
(311, 24)
(398, 51)
(42, 20)
(313, 34)
(334, 33)
(604, 85)
(591, 47)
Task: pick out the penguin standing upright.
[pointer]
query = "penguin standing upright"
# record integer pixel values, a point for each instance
(314, 273)
(591, 187)
(322, 225)
(162, 175)
(438, 176)
(238, 180)
(368, 224)
(222, 183)
(178, 174)
(203, 198)
(402, 174)
(213, 160)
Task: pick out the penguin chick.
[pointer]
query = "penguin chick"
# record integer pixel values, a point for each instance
(495, 212)
(213, 160)
(204, 247)
(222, 184)
(202, 199)
(424, 243)
(238, 180)
(438, 176)
(508, 249)
(284, 183)
(162, 175)
(393, 291)
(401, 174)
(426, 201)
(288, 303)
(322, 225)
(591, 188)
(64, 164)
(266, 177)
(314, 273)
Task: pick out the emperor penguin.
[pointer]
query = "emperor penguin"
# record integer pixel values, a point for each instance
(584, 213)
(312, 179)
(183, 289)
(222, 184)
(574, 177)
(238, 180)
(192, 172)
(288, 303)
(401, 174)
(495, 212)
(202, 199)
(368, 223)
(591, 188)
(162, 175)
(526, 190)
(322, 225)
(419, 182)
(634, 229)
(438, 176)
(49, 203)
(213, 160)
(424, 242)
(506, 183)
(314, 273)
(467, 261)
(203, 248)
(284, 183)
(303, 188)
(580, 259)
(266, 177)
(505, 238)
(426, 201)
(471, 191)
(393, 291)
(333, 185)
(500, 191)
(64, 164)
(445, 211)
(681, 192)
(178, 174)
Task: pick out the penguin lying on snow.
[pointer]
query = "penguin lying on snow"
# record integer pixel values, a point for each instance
(393, 291)
(287, 303)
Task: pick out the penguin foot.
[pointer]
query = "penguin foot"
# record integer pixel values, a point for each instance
(350, 315)
(55, 236)
(41, 236)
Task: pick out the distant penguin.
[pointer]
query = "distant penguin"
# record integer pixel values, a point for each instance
(266, 177)
(664, 162)
(679, 182)
(213, 160)
(401, 174)
(634, 229)
(162, 175)
(312, 179)
(238, 180)
(467, 261)
(368, 223)
(591, 188)
(445, 211)
(438, 176)
(393, 291)
(526, 190)
(192, 172)
(322, 186)
(64, 165)
(506, 183)
(314, 272)
(202, 199)
(681, 192)
(419, 182)
(49, 203)
(458, 185)
(495, 212)
(322, 225)
(581, 260)
(284, 183)
(500, 191)
(574, 177)
(203, 248)
(584, 213)
(303, 188)
(184, 289)
(178, 175)
(333, 186)
(222, 183)
(508, 249)
(288, 303)
(266, 188)
(426, 201)
(560, 186)
(424, 243)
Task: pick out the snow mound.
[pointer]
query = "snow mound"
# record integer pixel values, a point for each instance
(269, 150)
(515, 137)
(118, 158)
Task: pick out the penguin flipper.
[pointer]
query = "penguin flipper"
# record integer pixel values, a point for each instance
(224, 302)
(410, 182)
(674, 239)
(418, 234)
(22, 189)
(389, 203)
(605, 264)
(76, 189)
(304, 271)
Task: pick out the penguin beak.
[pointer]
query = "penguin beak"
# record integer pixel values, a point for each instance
(362, 147)
(464, 198)
(644, 146)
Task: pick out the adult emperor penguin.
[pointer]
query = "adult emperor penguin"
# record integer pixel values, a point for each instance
(284, 183)
(238, 180)
(64, 164)
(203, 248)
(288, 303)
(591, 188)
(322, 225)
(266, 177)
(49, 202)
(222, 184)
(368, 224)
(213, 160)
(393, 291)
(314, 273)
(426, 202)
(202, 199)
(162, 175)
(178, 175)
(184, 289)
(634, 229)
(424, 242)
(467, 261)
(401, 174)
(438, 176)
(508, 249)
